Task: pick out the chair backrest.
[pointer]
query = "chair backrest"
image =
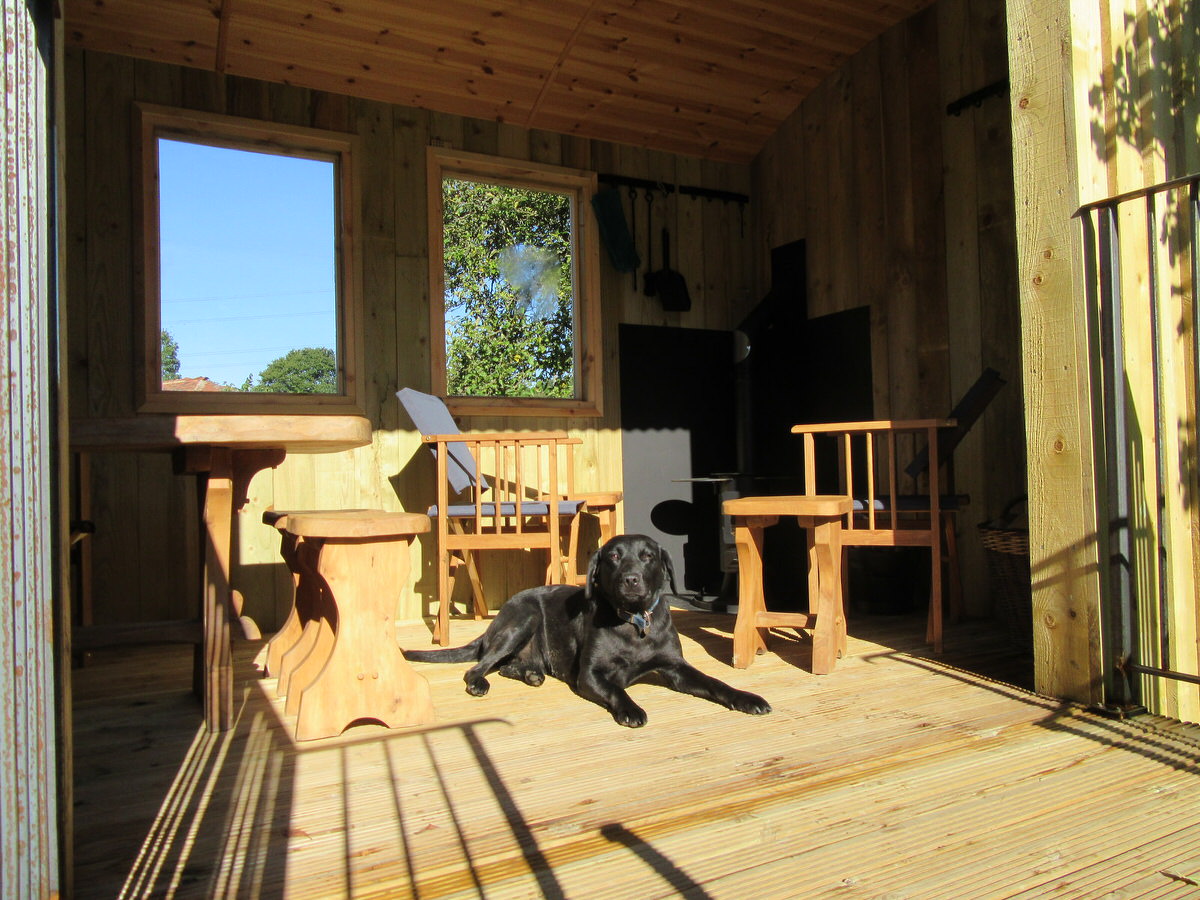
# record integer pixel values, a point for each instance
(430, 415)
(966, 413)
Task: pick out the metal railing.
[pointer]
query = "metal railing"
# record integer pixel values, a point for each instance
(1134, 505)
(1136, 495)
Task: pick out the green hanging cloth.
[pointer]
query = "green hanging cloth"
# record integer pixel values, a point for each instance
(610, 217)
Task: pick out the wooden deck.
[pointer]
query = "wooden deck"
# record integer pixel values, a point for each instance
(896, 776)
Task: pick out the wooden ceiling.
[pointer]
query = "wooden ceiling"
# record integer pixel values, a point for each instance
(707, 78)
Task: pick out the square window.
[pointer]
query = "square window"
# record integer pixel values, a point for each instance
(246, 266)
(513, 286)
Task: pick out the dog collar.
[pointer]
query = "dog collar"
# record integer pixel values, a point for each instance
(640, 621)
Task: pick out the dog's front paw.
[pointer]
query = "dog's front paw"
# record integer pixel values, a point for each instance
(752, 704)
(630, 715)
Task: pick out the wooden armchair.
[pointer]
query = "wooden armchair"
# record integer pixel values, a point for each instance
(496, 491)
(913, 506)
(888, 511)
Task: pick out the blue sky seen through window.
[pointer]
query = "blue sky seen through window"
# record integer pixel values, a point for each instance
(248, 265)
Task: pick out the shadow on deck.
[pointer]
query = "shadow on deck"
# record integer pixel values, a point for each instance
(897, 774)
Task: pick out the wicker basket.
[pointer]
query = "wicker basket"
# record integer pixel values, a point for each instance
(1006, 548)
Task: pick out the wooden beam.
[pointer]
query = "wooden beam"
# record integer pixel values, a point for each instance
(1064, 551)
(846, 23)
(567, 47)
(222, 35)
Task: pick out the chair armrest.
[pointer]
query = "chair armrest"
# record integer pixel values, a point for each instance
(877, 425)
(599, 499)
(502, 436)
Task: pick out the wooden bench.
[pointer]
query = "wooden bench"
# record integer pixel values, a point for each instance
(336, 659)
(821, 516)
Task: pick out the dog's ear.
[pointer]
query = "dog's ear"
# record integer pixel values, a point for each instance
(592, 572)
(670, 568)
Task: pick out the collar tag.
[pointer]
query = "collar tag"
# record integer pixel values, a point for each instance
(640, 621)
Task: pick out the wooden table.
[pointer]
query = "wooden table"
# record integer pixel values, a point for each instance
(225, 452)
(821, 516)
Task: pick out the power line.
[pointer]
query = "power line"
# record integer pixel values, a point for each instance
(242, 352)
(243, 297)
(207, 319)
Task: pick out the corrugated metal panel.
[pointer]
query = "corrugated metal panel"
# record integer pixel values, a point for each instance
(28, 841)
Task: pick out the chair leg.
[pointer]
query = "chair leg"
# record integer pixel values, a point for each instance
(556, 564)
(450, 563)
(749, 640)
(814, 583)
(441, 630)
(481, 607)
(566, 569)
(953, 573)
(462, 562)
(933, 627)
(571, 563)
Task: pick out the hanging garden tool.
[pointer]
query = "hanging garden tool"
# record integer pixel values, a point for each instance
(648, 286)
(633, 223)
(671, 286)
(614, 233)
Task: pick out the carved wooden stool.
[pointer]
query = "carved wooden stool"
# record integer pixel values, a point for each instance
(306, 601)
(339, 661)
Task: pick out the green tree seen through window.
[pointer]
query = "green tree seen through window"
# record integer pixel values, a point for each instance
(170, 357)
(311, 370)
(509, 307)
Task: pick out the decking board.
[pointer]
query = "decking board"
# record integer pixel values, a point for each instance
(898, 774)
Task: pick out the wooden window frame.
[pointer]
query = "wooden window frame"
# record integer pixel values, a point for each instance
(580, 184)
(152, 122)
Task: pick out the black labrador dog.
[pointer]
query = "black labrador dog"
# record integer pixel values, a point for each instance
(599, 638)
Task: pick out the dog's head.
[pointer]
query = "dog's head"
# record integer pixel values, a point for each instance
(631, 572)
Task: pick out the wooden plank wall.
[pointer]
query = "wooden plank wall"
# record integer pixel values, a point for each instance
(1119, 115)
(144, 564)
(909, 210)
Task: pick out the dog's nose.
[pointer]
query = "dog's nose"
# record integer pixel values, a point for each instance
(632, 580)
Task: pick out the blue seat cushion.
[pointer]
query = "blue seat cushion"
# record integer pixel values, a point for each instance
(509, 508)
(913, 502)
